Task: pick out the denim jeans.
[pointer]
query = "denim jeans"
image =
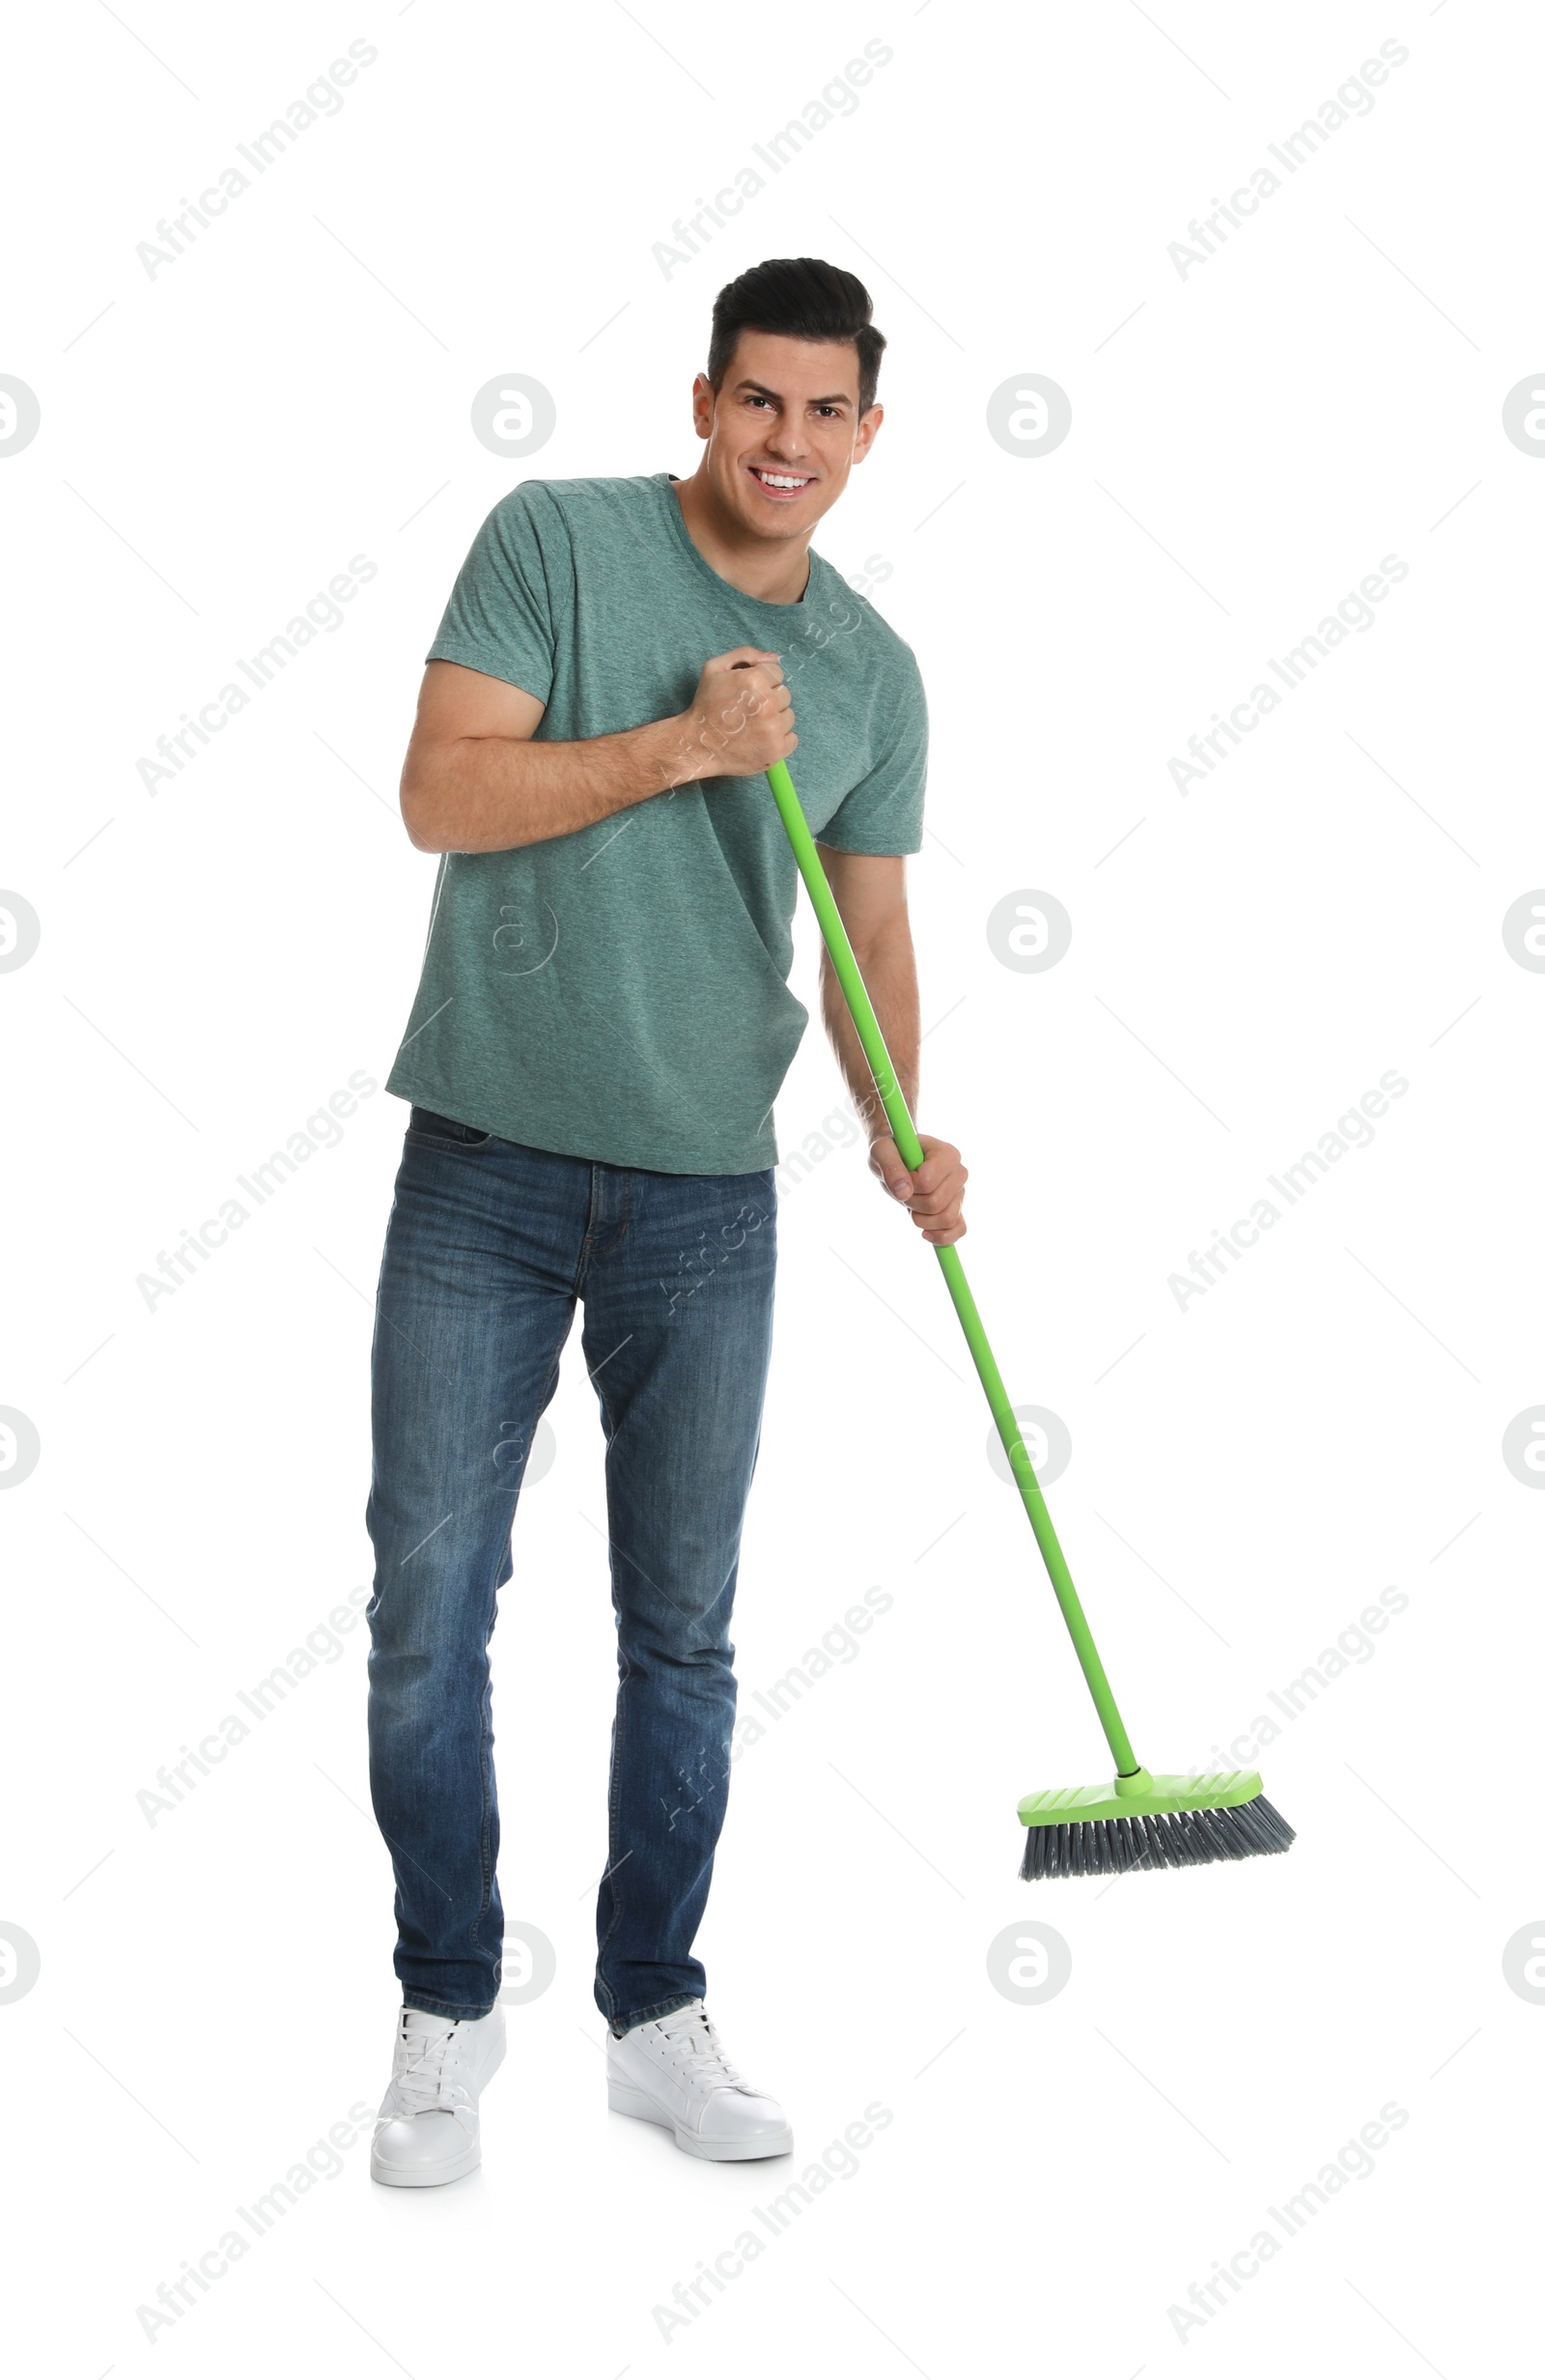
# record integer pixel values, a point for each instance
(489, 1248)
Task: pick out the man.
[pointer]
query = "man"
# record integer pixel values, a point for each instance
(602, 1026)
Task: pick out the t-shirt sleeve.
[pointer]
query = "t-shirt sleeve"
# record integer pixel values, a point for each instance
(884, 813)
(500, 618)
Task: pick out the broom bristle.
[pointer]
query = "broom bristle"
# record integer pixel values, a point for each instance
(1170, 1839)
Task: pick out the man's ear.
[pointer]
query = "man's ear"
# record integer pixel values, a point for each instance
(868, 431)
(703, 405)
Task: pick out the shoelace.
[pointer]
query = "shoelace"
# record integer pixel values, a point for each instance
(420, 2086)
(696, 2049)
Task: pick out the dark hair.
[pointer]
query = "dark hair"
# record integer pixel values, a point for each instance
(797, 297)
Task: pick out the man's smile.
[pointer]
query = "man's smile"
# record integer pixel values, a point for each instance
(780, 485)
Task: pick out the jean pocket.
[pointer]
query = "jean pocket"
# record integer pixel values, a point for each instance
(427, 1130)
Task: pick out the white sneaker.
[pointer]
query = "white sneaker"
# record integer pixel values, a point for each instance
(428, 2130)
(673, 2071)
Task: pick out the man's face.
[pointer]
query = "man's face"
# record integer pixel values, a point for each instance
(784, 431)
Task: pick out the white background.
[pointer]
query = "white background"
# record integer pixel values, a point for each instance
(1249, 1472)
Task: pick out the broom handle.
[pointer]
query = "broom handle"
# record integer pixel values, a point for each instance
(903, 1134)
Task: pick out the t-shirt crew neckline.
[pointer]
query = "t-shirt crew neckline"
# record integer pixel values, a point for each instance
(666, 482)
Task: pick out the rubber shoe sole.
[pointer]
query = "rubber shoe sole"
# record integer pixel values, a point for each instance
(448, 2169)
(624, 2099)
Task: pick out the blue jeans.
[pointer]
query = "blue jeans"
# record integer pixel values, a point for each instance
(489, 1247)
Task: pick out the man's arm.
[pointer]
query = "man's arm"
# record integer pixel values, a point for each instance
(474, 779)
(871, 893)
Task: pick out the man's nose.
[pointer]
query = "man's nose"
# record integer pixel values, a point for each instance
(790, 438)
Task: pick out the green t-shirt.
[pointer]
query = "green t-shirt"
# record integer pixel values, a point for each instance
(621, 993)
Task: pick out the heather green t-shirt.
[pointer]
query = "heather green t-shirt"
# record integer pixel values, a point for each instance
(621, 993)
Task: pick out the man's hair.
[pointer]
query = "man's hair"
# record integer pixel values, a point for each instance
(797, 297)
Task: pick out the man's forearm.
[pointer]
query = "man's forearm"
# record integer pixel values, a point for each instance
(494, 793)
(889, 969)
(478, 777)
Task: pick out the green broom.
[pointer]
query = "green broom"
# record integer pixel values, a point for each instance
(1138, 1820)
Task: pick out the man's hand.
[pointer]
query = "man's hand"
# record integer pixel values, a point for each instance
(741, 719)
(933, 1194)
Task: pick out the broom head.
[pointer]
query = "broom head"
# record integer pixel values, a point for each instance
(1149, 1822)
